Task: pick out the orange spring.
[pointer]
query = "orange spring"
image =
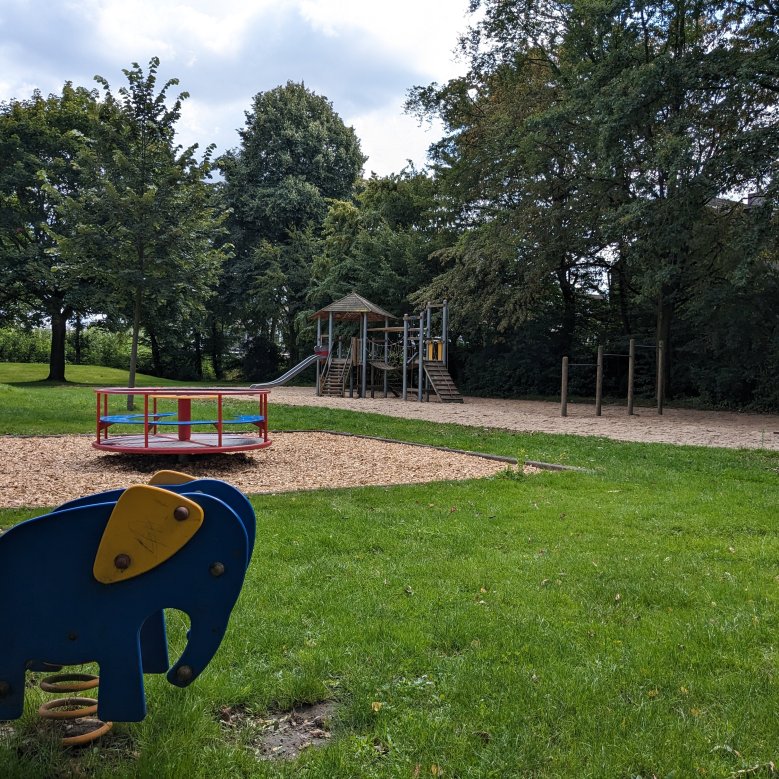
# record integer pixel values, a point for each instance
(72, 708)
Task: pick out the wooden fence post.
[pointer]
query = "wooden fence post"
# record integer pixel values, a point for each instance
(660, 377)
(599, 382)
(564, 390)
(631, 374)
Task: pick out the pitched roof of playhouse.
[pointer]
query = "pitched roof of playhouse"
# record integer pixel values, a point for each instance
(353, 306)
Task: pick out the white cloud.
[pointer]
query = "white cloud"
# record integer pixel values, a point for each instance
(200, 123)
(176, 30)
(362, 54)
(390, 139)
(421, 31)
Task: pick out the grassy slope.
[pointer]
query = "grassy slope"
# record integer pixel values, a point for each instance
(614, 623)
(29, 405)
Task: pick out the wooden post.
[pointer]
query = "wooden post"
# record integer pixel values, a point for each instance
(386, 358)
(631, 374)
(364, 371)
(355, 352)
(421, 374)
(564, 390)
(445, 334)
(428, 340)
(660, 377)
(318, 363)
(599, 382)
(405, 356)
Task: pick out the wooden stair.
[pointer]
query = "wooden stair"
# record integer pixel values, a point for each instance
(333, 381)
(442, 382)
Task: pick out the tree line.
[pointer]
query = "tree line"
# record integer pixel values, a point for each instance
(607, 171)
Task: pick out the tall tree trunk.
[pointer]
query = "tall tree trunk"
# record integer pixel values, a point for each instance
(59, 321)
(156, 354)
(216, 350)
(291, 338)
(134, 348)
(198, 356)
(568, 324)
(77, 331)
(619, 294)
(665, 313)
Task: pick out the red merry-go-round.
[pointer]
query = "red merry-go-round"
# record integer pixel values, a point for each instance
(182, 420)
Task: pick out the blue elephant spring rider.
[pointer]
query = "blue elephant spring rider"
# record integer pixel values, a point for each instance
(89, 582)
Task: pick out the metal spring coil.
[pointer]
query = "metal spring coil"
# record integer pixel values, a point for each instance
(61, 708)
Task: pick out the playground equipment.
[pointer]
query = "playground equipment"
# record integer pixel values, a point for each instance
(385, 358)
(319, 355)
(631, 355)
(96, 574)
(156, 416)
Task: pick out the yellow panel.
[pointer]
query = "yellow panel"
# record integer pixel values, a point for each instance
(170, 477)
(147, 526)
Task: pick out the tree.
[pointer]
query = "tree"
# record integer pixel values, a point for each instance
(147, 221)
(589, 140)
(295, 155)
(41, 141)
(685, 108)
(514, 172)
(383, 244)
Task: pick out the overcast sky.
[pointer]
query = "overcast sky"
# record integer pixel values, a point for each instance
(361, 54)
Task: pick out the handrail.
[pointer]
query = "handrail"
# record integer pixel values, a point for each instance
(328, 361)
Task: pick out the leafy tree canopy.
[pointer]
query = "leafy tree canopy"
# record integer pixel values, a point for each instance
(147, 222)
(296, 154)
(586, 145)
(41, 142)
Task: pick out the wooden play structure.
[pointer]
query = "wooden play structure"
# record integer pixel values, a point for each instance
(408, 360)
(168, 422)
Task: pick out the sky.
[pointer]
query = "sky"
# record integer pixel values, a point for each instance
(363, 55)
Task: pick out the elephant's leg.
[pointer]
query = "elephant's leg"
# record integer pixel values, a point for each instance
(154, 644)
(121, 697)
(12, 690)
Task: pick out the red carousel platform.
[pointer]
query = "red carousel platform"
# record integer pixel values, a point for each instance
(169, 424)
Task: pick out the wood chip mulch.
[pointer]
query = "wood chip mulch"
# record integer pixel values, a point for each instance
(49, 470)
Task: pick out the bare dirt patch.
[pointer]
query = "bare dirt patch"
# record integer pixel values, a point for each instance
(48, 470)
(281, 735)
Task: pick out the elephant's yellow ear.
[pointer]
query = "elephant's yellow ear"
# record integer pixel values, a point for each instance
(170, 477)
(147, 526)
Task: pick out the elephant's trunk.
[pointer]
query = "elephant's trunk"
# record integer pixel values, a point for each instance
(204, 637)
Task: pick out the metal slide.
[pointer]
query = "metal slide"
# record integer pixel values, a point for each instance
(290, 374)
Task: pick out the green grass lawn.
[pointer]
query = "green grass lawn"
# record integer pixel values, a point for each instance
(615, 623)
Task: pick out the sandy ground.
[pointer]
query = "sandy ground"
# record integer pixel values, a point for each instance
(49, 470)
(675, 426)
